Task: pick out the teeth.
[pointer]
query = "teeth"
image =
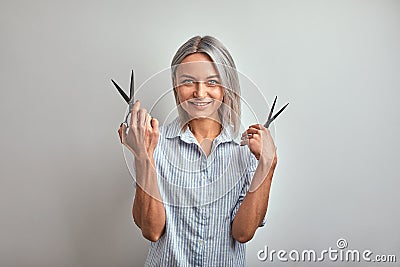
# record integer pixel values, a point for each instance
(200, 104)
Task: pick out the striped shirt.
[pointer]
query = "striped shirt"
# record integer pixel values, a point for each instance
(201, 196)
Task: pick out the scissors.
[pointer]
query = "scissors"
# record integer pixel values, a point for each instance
(129, 99)
(272, 118)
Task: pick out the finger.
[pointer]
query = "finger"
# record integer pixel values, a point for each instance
(257, 126)
(251, 141)
(253, 131)
(244, 142)
(154, 124)
(122, 133)
(250, 131)
(247, 137)
(148, 122)
(135, 109)
(156, 131)
(142, 116)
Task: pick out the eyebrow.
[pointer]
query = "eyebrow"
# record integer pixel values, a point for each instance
(189, 76)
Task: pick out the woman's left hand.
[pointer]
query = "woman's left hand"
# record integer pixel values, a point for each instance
(259, 140)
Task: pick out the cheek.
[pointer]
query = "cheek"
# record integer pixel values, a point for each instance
(183, 94)
(219, 94)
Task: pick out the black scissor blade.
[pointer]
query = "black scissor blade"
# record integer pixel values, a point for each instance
(122, 93)
(277, 114)
(272, 109)
(131, 89)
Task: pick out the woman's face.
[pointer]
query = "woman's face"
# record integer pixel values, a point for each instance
(199, 88)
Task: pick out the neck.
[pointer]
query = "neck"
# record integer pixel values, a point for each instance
(205, 128)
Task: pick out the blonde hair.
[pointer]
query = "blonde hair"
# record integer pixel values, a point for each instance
(230, 110)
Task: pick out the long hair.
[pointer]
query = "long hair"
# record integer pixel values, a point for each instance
(230, 110)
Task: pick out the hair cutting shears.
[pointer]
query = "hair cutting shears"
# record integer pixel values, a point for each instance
(129, 99)
(272, 118)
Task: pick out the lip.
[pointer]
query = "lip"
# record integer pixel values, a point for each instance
(200, 105)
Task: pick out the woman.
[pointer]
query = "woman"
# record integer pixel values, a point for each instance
(200, 195)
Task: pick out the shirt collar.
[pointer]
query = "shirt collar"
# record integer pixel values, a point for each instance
(174, 130)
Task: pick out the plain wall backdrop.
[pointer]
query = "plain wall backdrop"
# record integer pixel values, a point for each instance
(65, 191)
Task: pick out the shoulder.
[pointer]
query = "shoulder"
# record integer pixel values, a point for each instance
(171, 129)
(167, 134)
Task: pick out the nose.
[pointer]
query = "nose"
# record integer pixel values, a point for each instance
(201, 90)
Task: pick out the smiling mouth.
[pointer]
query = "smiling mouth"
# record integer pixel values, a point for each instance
(200, 103)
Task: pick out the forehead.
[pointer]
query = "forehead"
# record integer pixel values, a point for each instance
(197, 65)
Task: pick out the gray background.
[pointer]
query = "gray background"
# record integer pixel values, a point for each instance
(65, 191)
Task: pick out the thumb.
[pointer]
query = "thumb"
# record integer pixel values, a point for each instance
(154, 123)
(122, 132)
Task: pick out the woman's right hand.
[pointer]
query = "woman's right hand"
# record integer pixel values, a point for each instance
(143, 133)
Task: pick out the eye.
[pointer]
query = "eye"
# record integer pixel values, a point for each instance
(187, 82)
(212, 82)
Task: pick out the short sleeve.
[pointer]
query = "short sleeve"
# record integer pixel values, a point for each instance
(246, 185)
